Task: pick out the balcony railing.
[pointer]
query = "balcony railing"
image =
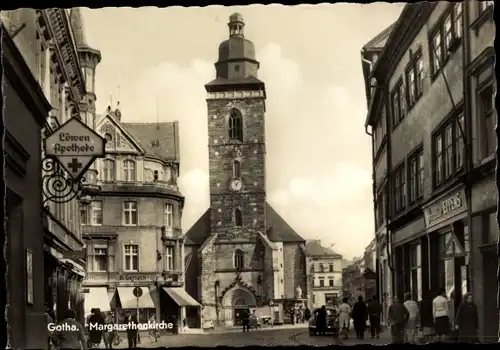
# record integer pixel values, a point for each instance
(140, 187)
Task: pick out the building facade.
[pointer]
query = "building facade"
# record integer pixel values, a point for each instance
(132, 227)
(434, 94)
(241, 253)
(325, 276)
(45, 40)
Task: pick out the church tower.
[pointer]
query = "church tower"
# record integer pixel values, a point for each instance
(236, 141)
(89, 59)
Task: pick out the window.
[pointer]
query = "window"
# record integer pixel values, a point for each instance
(415, 78)
(448, 150)
(85, 214)
(380, 208)
(412, 177)
(399, 190)
(486, 114)
(238, 218)
(130, 213)
(96, 208)
(398, 103)
(108, 170)
(168, 219)
(238, 259)
(100, 259)
(321, 268)
(321, 282)
(235, 125)
(155, 175)
(420, 174)
(131, 261)
(416, 272)
(128, 170)
(445, 37)
(331, 282)
(169, 258)
(331, 267)
(236, 169)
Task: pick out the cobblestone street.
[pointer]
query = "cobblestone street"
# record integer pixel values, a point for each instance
(278, 336)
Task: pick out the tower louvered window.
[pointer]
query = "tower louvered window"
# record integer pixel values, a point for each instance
(236, 125)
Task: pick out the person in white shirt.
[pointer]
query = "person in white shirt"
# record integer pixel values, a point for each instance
(344, 313)
(413, 320)
(440, 313)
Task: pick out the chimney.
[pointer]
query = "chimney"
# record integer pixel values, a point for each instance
(108, 110)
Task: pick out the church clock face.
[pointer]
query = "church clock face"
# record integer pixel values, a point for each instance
(236, 185)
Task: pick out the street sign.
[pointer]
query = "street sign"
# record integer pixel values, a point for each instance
(75, 146)
(137, 292)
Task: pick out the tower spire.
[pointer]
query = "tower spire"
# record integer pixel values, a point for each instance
(118, 95)
(236, 25)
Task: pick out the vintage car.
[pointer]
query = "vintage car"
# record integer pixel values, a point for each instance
(332, 322)
(208, 324)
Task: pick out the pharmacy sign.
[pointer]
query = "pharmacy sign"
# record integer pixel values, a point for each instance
(75, 146)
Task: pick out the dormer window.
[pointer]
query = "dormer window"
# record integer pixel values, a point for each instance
(155, 175)
(155, 143)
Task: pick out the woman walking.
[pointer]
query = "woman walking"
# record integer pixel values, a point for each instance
(344, 315)
(440, 311)
(467, 321)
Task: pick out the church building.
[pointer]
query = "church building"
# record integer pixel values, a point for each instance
(241, 253)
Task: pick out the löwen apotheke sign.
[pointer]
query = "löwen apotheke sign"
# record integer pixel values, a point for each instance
(445, 208)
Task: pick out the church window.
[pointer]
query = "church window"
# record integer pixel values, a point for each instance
(238, 259)
(238, 218)
(235, 125)
(236, 169)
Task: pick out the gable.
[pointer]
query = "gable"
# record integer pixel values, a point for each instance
(200, 231)
(120, 140)
(278, 229)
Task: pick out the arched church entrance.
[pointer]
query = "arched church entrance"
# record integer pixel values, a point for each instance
(236, 301)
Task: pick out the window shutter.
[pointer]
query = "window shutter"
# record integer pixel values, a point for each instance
(111, 255)
(90, 256)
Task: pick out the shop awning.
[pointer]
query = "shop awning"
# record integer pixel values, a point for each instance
(76, 268)
(97, 297)
(180, 296)
(129, 301)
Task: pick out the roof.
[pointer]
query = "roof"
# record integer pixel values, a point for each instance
(233, 82)
(379, 41)
(278, 229)
(156, 139)
(314, 248)
(199, 232)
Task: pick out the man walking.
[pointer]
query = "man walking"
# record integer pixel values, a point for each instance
(131, 324)
(398, 316)
(359, 316)
(413, 318)
(374, 314)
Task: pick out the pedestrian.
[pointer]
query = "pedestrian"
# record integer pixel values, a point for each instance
(246, 320)
(109, 333)
(359, 316)
(153, 331)
(292, 315)
(440, 313)
(398, 316)
(321, 320)
(131, 327)
(344, 315)
(307, 314)
(426, 317)
(96, 328)
(70, 334)
(50, 322)
(413, 319)
(467, 321)
(374, 314)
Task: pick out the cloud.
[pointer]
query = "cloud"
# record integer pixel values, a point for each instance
(318, 158)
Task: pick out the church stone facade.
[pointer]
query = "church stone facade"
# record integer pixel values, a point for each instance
(241, 253)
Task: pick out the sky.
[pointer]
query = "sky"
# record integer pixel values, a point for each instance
(318, 155)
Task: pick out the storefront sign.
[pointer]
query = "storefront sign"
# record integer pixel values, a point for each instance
(444, 208)
(134, 277)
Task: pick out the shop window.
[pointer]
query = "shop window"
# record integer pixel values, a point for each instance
(416, 272)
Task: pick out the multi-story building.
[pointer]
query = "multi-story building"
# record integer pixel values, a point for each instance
(325, 275)
(44, 40)
(242, 253)
(434, 88)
